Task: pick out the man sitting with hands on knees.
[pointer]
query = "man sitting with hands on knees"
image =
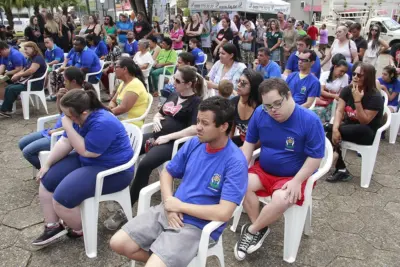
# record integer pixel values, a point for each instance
(292, 145)
(209, 191)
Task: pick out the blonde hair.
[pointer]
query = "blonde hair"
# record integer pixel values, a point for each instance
(225, 88)
(51, 25)
(36, 49)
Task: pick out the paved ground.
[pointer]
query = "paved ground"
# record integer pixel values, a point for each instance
(351, 226)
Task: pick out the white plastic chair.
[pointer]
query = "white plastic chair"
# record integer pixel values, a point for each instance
(90, 207)
(202, 64)
(297, 217)
(368, 153)
(40, 95)
(171, 69)
(394, 126)
(96, 85)
(313, 104)
(146, 74)
(144, 115)
(383, 93)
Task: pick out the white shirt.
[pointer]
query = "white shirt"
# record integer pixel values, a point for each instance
(141, 59)
(344, 49)
(372, 52)
(336, 85)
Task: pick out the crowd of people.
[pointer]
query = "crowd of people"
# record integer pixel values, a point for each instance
(265, 89)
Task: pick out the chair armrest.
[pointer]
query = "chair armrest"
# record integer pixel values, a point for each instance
(53, 138)
(256, 154)
(42, 120)
(147, 128)
(178, 142)
(145, 196)
(43, 155)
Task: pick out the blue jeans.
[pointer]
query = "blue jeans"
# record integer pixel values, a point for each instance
(31, 145)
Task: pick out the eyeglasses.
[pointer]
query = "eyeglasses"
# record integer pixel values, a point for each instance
(275, 105)
(304, 60)
(289, 21)
(242, 83)
(374, 30)
(178, 81)
(359, 75)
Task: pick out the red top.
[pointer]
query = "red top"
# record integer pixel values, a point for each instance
(313, 32)
(212, 150)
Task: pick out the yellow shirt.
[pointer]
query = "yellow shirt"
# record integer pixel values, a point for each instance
(137, 87)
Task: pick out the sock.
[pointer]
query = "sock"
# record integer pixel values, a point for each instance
(342, 170)
(52, 225)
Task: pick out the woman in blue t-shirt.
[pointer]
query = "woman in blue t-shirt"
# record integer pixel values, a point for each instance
(35, 68)
(95, 43)
(94, 140)
(391, 85)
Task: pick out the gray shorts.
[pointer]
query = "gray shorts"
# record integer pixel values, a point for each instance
(175, 247)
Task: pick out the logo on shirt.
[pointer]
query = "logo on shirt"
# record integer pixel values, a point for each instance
(290, 143)
(138, 29)
(215, 182)
(303, 90)
(170, 108)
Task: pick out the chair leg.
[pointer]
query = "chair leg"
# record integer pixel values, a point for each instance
(125, 201)
(344, 151)
(37, 102)
(307, 224)
(294, 224)
(236, 219)
(42, 98)
(25, 105)
(219, 253)
(394, 128)
(97, 88)
(368, 159)
(133, 263)
(89, 214)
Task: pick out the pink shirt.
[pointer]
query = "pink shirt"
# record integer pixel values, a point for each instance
(176, 34)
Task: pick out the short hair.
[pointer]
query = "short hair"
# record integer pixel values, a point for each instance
(49, 37)
(195, 41)
(391, 70)
(228, 20)
(144, 42)
(336, 58)
(188, 58)
(222, 108)
(274, 84)
(74, 73)
(3, 45)
(152, 38)
(264, 50)
(313, 55)
(231, 49)
(81, 40)
(355, 26)
(305, 39)
(168, 41)
(225, 88)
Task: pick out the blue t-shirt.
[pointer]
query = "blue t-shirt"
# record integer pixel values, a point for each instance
(198, 55)
(219, 176)
(87, 59)
(350, 71)
(101, 49)
(54, 54)
(15, 59)
(123, 26)
(58, 124)
(272, 70)
(302, 89)
(286, 146)
(293, 65)
(392, 87)
(71, 57)
(104, 134)
(131, 48)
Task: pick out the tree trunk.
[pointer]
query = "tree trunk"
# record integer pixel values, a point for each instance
(65, 10)
(36, 8)
(150, 8)
(141, 6)
(10, 16)
(88, 7)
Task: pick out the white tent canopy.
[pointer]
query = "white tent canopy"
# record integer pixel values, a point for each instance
(251, 6)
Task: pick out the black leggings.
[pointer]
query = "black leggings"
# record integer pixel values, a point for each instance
(356, 133)
(156, 156)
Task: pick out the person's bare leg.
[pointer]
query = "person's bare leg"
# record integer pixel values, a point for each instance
(123, 244)
(2, 90)
(46, 203)
(155, 261)
(71, 217)
(251, 203)
(272, 211)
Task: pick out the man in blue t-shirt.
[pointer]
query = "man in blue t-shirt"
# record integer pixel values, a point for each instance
(123, 26)
(292, 65)
(11, 60)
(292, 145)
(131, 45)
(53, 55)
(214, 179)
(268, 68)
(196, 51)
(86, 59)
(304, 86)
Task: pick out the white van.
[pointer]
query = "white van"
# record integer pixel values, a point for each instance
(19, 25)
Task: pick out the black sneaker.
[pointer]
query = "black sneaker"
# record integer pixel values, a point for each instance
(49, 235)
(74, 234)
(244, 242)
(339, 176)
(258, 240)
(5, 114)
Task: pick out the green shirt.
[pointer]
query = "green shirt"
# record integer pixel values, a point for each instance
(272, 38)
(301, 33)
(167, 56)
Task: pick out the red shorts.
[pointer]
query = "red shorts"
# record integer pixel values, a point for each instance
(272, 183)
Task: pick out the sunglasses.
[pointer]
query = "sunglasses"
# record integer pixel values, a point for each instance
(178, 81)
(304, 60)
(289, 21)
(359, 75)
(242, 83)
(276, 105)
(374, 30)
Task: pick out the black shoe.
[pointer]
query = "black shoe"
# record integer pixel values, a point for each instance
(49, 235)
(5, 114)
(339, 176)
(258, 240)
(243, 244)
(73, 234)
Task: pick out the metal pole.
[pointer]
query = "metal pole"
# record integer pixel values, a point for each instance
(311, 11)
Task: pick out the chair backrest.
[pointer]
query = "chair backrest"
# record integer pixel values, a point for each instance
(135, 137)
(383, 93)
(29, 83)
(144, 115)
(97, 72)
(204, 62)
(313, 103)
(388, 114)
